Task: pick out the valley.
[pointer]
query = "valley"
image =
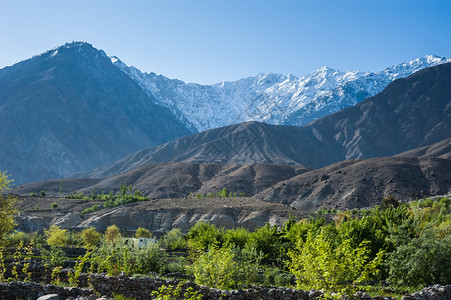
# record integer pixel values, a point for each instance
(362, 185)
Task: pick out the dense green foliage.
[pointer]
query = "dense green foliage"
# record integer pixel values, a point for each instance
(404, 245)
(7, 206)
(122, 197)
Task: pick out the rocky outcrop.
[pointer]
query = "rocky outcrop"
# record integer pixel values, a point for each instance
(159, 216)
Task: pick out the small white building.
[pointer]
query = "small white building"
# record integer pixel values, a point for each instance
(139, 243)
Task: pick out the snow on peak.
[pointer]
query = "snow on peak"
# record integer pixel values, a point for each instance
(269, 97)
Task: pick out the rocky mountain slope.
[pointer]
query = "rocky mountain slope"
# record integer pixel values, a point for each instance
(408, 114)
(276, 190)
(270, 98)
(70, 109)
(159, 216)
(357, 184)
(175, 180)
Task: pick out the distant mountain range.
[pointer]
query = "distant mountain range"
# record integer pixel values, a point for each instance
(270, 98)
(397, 142)
(73, 108)
(409, 113)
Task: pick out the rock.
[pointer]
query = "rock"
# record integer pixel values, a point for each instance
(67, 221)
(49, 297)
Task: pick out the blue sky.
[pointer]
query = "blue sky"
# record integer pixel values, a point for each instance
(211, 41)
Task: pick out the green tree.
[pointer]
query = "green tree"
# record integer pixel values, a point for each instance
(422, 261)
(112, 233)
(143, 233)
(318, 264)
(204, 234)
(223, 193)
(91, 237)
(56, 236)
(174, 240)
(7, 206)
(216, 268)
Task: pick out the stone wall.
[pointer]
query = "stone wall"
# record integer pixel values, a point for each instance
(32, 291)
(141, 288)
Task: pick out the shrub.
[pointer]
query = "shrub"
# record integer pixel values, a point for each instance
(32, 194)
(53, 257)
(42, 193)
(174, 240)
(169, 292)
(237, 237)
(216, 268)
(266, 240)
(202, 235)
(74, 238)
(17, 237)
(56, 236)
(91, 237)
(112, 233)
(91, 209)
(388, 201)
(148, 259)
(421, 262)
(7, 206)
(228, 267)
(143, 233)
(318, 264)
(119, 257)
(54, 205)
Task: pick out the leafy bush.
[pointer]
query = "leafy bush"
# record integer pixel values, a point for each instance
(112, 234)
(266, 240)
(319, 264)
(74, 238)
(32, 194)
(54, 205)
(148, 259)
(238, 237)
(7, 206)
(228, 267)
(387, 202)
(56, 236)
(143, 233)
(423, 261)
(91, 209)
(174, 240)
(119, 257)
(53, 257)
(91, 237)
(43, 193)
(202, 235)
(216, 268)
(172, 293)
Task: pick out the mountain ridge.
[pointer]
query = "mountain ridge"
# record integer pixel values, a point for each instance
(64, 110)
(271, 98)
(410, 113)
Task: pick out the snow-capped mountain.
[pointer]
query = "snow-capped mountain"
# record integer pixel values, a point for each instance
(271, 98)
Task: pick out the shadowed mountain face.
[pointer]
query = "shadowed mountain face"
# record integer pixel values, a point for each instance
(409, 113)
(356, 184)
(345, 185)
(71, 109)
(440, 150)
(173, 180)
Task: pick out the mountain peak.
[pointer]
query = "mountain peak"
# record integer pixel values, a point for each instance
(269, 97)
